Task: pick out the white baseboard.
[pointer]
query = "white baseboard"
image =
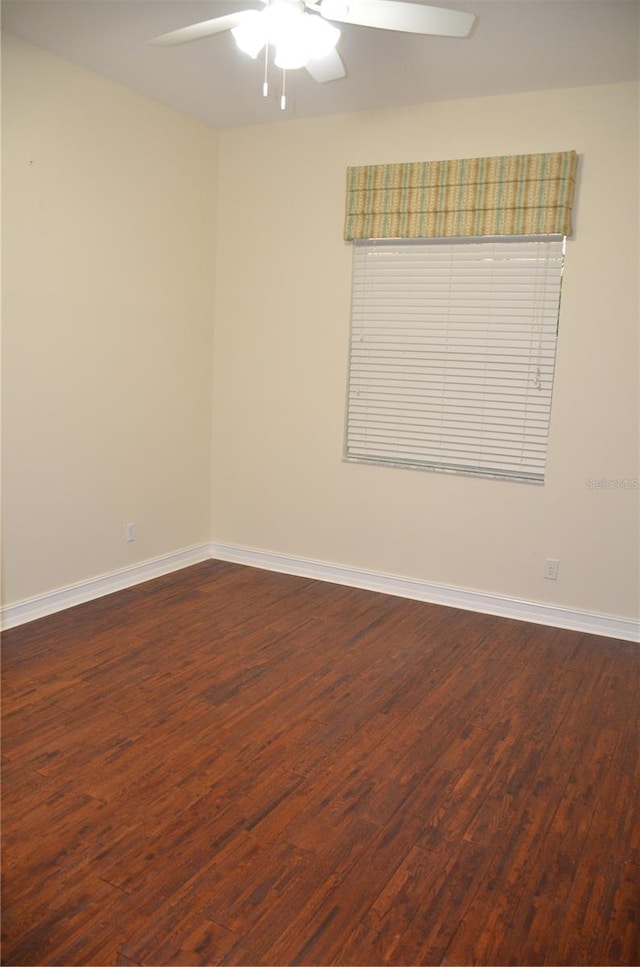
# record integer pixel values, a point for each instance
(62, 598)
(496, 604)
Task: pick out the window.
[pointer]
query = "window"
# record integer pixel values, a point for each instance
(452, 354)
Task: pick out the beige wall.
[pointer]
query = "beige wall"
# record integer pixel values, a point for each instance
(108, 261)
(109, 234)
(281, 337)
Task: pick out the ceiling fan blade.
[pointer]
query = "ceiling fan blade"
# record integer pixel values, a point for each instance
(327, 68)
(413, 18)
(184, 35)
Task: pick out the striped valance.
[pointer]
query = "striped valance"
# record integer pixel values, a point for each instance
(521, 194)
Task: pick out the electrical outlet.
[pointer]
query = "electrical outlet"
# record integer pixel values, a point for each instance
(130, 533)
(551, 569)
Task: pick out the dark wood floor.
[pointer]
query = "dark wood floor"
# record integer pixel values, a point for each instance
(230, 766)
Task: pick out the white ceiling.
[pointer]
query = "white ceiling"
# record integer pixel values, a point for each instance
(517, 45)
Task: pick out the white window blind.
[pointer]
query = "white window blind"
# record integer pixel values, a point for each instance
(452, 354)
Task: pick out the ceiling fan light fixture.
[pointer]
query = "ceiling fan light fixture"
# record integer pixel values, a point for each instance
(288, 34)
(296, 35)
(291, 55)
(334, 9)
(251, 34)
(322, 36)
(284, 21)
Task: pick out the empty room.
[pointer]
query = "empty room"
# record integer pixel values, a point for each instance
(320, 482)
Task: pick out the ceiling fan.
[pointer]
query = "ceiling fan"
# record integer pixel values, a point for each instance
(301, 32)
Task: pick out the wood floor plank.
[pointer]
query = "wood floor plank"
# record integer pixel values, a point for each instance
(411, 921)
(232, 766)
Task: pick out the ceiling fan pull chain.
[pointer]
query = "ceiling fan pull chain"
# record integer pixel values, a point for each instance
(265, 85)
(283, 99)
